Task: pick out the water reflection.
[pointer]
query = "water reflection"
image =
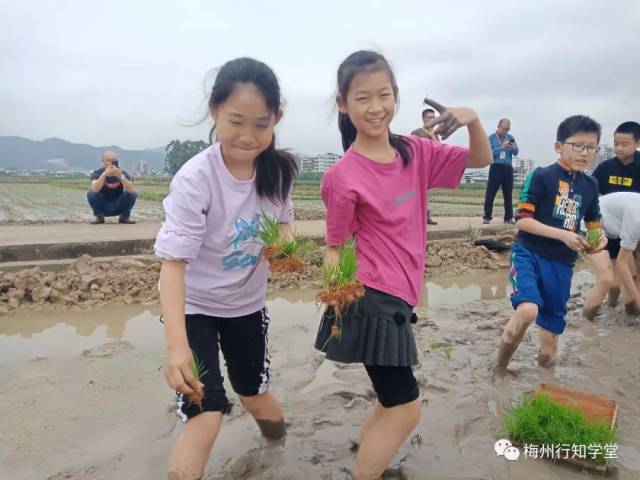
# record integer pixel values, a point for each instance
(27, 334)
(457, 290)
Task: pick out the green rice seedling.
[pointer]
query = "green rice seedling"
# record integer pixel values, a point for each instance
(281, 255)
(340, 287)
(539, 420)
(269, 230)
(445, 348)
(288, 249)
(344, 272)
(198, 371)
(473, 234)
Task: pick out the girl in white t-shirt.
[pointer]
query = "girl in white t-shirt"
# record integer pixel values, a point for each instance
(212, 282)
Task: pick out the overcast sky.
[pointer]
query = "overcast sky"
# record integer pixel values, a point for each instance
(132, 73)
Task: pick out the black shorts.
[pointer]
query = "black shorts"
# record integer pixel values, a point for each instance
(613, 247)
(393, 385)
(244, 345)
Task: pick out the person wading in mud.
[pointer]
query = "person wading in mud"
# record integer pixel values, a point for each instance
(621, 222)
(618, 174)
(212, 221)
(377, 192)
(553, 202)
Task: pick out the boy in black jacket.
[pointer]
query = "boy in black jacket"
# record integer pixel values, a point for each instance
(553, 202)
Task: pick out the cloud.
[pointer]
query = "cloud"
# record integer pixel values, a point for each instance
(131, 73)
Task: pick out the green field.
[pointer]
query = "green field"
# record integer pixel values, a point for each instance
(26, 199)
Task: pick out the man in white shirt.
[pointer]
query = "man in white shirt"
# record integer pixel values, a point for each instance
(620, 220)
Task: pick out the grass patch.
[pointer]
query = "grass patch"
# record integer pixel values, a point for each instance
(152, 195)
(541, 421)
(473, 234)
(445, 349)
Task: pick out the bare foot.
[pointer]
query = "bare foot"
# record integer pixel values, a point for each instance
(546, 360)
(499, 376)
(590, 312)
(614, 294)
(631, 308)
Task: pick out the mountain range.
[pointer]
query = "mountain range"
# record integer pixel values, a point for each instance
(56, 154)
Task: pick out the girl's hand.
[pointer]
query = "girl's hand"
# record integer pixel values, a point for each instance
(286, 233)
(450, 119)
(575, 242)
(177, 370)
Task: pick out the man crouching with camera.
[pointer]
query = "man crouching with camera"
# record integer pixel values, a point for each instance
(112, 192)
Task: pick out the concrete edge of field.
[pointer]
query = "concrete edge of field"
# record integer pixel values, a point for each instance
(49, 255)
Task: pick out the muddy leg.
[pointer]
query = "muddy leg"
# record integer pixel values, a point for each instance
(267, 412)
(614, 295)
(513, 334)
(548, 349)
(601, 264)
(383, 438)
(194, 445)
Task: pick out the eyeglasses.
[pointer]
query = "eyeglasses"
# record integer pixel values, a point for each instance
(581, 147)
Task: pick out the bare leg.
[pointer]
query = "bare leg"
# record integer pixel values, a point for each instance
(548, 349)
(373, 416)
(614, 292)
(383, 439)
(512, 335)
(194, 445)
(601, 264)
(267, 412)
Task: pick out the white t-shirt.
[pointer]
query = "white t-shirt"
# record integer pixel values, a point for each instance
(211, 221)
(621, 217)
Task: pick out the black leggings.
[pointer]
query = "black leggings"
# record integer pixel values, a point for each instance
(393, 385)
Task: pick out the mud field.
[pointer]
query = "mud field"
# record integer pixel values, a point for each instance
(84, 396)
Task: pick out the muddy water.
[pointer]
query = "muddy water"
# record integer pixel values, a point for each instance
(26, 335)
(106, 413)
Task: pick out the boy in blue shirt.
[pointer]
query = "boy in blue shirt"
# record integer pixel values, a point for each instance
(553, 202)
(503, 149)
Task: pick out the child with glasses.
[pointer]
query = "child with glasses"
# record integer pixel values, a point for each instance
(553, 202)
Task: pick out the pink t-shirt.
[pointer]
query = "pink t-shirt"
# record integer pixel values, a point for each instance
(384, 205)
(211, 221)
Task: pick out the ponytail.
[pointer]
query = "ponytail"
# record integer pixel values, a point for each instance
(401, 144)
(275, 172)
(347, 129)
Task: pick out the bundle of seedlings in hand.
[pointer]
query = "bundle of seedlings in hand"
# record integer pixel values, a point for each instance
(198, 371)
(282, 255)
(593, 235)
(339, 286)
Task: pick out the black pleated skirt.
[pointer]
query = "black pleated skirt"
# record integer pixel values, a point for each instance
(375, 330)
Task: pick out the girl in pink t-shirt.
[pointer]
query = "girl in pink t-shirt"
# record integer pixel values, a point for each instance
(377, 193)
(212, 282)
